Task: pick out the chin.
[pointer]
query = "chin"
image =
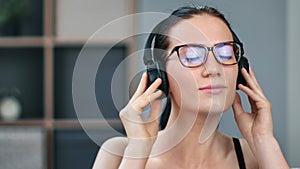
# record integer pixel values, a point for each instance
(217, 103)
(214, 106)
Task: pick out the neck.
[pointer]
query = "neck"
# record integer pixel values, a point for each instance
(198, 125)
(201, 136)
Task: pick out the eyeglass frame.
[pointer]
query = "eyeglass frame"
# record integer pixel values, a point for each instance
(176, 49)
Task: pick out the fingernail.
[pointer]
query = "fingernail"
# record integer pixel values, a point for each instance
(144, 74)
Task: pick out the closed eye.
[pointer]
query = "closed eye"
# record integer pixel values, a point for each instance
(221, 57)
(193, 59)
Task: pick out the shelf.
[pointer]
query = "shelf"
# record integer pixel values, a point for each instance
(64, 61)
(21, 42)
(115, 123)
(82, 41)
(23, 147)
(69, 41)
(73, 149)
(22, 69)
(79, 19)
(38, 53)
(23, 123)
(67, 124)
(28, 23)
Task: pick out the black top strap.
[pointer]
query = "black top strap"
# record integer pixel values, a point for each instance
(239, 153)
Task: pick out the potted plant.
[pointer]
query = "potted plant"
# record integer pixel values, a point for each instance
(11, 13)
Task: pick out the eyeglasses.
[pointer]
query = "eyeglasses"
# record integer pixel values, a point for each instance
(195, 55)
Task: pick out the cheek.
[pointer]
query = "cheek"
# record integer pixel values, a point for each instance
(182, 83)
(172, 74)
(176, 76)
(231, 79)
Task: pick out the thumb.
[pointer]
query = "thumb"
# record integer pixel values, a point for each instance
(152, 122)
(237, 106)
(155, 110)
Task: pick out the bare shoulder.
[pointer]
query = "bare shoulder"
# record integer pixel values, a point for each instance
(250, 159)
(115, 145)
(111, 153)
(156, 162)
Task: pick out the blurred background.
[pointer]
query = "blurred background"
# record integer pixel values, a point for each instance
(40, 41)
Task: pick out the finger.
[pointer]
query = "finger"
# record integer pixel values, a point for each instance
(141, 87)
(153, 87)
(252, 94)
(155, 95)
(251, 84)
(242, 118)
(155, 109)
(130, 114)
(237, 106)
(153, 120)
(248, 79)
(252, 105)
(141, 102)
(251, 73)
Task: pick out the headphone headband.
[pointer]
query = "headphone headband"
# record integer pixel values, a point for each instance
(148, 56)
(236, 39)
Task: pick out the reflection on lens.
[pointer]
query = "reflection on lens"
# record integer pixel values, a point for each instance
(192, 56)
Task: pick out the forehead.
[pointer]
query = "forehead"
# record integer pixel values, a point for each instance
(203, 29)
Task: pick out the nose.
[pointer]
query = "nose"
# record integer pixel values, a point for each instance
(211, 67)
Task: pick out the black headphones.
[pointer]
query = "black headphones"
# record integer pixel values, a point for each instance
(155, 69)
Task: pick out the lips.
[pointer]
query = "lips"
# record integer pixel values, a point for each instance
(213, 89)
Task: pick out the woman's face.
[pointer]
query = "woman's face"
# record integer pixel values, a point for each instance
(212, 85)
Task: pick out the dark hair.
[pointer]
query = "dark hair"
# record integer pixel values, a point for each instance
(161, 40)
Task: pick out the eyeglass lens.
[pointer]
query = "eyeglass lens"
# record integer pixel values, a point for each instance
(195, 55)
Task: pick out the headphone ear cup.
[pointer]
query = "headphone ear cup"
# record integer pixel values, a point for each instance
(154, 71)
(243, 63)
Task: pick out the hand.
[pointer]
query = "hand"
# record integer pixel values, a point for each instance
(258, 123)
(135, 126)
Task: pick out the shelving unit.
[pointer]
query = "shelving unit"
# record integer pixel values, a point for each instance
(39, 61)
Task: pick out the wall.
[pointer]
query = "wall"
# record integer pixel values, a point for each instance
(293, 81)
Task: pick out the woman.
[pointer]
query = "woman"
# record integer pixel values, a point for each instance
(202, 69)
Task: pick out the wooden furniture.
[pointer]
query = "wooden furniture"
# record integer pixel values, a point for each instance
(39, 60)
